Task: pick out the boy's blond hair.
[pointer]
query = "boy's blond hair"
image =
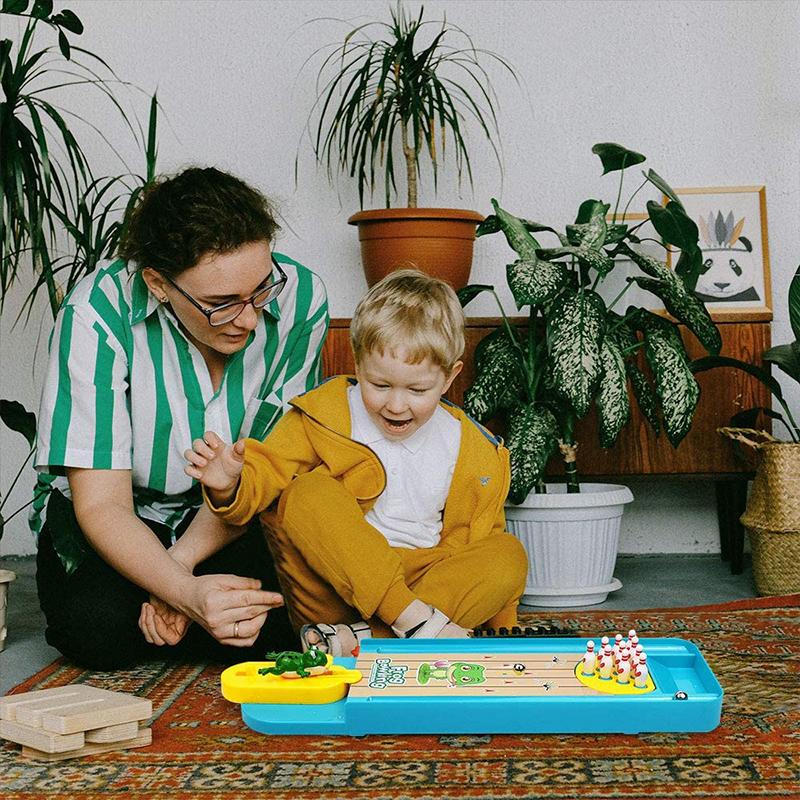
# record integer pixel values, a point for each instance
(413, 311)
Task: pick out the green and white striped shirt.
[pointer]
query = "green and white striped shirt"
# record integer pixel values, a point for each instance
(125, 389)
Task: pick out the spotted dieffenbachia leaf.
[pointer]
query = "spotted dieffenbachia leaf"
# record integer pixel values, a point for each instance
(676, 386)
(575, 324)
(492, 225)
(586, 239)
(645, 396)
(517, 235)
(537, 282)
(532, 436)
(684, 306)
(613, 404)
(498, 377)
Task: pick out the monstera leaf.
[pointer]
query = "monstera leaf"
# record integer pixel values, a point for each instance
(531, 439)
(676, 386)
(677, 299)
(575, 324)
(613, 404)
(499, 380)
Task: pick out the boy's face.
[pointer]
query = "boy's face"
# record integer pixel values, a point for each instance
(401, 397)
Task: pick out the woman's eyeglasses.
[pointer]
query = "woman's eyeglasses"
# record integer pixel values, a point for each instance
(227, 312)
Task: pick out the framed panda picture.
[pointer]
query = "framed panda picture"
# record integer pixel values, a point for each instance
(734, 282)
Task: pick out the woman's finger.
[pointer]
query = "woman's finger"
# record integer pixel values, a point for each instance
(202, 448)
(195, 458)
(212, 440)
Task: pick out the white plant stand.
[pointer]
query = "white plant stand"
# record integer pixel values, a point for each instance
(6, 576)
(571, 541)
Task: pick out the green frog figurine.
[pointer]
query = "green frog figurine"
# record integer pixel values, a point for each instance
(291, 664)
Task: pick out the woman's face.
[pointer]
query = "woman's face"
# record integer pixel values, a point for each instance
(217, 278)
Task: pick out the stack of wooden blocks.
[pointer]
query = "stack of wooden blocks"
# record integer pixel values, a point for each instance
(72, 721)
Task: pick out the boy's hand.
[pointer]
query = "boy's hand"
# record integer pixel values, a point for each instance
(216, 465)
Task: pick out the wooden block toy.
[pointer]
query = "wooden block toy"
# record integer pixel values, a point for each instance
(74, 720)
(490, 685)
(142, 739)
(73, 708)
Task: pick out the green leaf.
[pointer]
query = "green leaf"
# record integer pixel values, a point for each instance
(492, 225)
(498, 379)
(63, 45)
(67, 19)
(645, 396)
(574, 333)
(613, 404)
(794, 304)
(615, 157)
(661, 184)
(676, 386)
(468, 293)
(786, 357)
(18, 418)
(677, 299)
(516, 234)
(532, 438)
(673, 225)
(42, 9)
(14, 6)
(536, 283)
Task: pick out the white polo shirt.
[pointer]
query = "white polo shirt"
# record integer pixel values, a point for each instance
(419, 470)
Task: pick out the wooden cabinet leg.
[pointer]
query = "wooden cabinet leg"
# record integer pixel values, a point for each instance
(731, 502)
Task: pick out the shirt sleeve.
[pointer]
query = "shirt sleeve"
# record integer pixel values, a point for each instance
(83, 414)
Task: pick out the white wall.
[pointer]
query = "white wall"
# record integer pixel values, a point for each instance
(707, 90)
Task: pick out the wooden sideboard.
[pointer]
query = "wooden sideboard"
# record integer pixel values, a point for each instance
(703, 454)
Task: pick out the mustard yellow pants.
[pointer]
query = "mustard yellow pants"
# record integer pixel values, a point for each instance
(335, 567)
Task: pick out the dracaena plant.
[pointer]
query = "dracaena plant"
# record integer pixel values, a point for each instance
(786, 357)
(405, 85)
(577, 349)
(55, 214)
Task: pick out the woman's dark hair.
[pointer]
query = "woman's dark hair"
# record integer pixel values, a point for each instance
(177, 220)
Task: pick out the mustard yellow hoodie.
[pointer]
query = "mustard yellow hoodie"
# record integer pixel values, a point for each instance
(315, 435)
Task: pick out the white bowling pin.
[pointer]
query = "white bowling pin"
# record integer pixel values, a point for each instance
(589, 659)
(624, 669)
(606, 663)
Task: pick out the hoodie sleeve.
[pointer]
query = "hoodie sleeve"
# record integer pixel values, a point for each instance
(269, 467)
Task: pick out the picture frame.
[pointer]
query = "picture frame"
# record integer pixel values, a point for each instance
(732, 222)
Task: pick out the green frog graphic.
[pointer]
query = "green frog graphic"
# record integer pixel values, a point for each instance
(457, 673)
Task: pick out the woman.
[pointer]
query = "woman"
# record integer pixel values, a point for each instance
(199, 326)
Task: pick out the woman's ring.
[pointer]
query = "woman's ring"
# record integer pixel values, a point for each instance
(235, 630)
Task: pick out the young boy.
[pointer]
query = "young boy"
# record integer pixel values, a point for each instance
(391, 499)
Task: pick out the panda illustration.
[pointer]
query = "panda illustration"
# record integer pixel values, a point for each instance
(729, 264)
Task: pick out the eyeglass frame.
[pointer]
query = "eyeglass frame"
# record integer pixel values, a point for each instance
(207, 312)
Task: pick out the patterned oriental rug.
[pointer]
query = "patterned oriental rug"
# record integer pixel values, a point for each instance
(202, 750)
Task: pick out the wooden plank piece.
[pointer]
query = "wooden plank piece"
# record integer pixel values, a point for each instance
(113, 733)
(45, 741)
(12, 702)
(143, 739)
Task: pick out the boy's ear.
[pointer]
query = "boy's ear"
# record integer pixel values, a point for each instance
(457, 367)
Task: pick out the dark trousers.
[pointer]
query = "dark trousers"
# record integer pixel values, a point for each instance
(92, 615)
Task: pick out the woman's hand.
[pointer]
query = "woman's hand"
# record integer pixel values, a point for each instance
(231, 608)
(162, 624)
(216, 465)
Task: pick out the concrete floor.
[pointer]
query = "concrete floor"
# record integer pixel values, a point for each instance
(661, 581)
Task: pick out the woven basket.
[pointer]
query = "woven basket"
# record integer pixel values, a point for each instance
(772, 519)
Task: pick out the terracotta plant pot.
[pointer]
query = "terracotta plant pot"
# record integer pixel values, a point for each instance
(437, 241)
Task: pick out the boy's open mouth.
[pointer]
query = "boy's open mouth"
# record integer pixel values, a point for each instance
(397, 424)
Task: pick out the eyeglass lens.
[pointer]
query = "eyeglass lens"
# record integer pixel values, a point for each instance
(259, 301)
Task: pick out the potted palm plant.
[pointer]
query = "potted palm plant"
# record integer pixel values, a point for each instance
(772, 516)
(575, 351)
(409, 89)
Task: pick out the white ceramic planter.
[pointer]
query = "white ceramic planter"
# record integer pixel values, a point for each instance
(571, 541)
(6, 576)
